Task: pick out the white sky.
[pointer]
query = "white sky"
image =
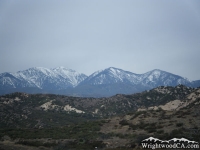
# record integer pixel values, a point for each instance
(89, 35)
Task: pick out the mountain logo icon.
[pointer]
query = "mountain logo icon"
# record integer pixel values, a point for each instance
(152, 139)
(175, 143)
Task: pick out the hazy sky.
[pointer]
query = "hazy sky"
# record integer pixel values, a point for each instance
(89, 35)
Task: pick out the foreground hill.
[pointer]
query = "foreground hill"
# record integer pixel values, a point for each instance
(44, 110)
(29, 121)
(103, 83)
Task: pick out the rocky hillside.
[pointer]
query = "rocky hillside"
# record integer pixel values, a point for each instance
(54, 122)
(32, 110)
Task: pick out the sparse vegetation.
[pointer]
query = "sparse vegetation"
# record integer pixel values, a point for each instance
(107, 122)
(179, 124)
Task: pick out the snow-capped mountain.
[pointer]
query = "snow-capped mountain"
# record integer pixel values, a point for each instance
(42, 78)
(150, 79)
(74, 77)
(112, 80)
(110, 76)
(158, 77)
(11, 80)
(107, 82)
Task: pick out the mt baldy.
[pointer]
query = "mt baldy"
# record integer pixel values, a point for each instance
(101, 83)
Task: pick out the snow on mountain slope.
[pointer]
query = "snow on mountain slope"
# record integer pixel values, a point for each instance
(111, 75)
(150, 79)
(11, 80)
(43, 78)
(105, 82)
(37, 75)
(74, 77)
(158, 77)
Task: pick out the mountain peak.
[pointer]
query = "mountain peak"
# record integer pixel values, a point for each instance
(115, 70)
(34, 70)
(156, 71)
(66, 70)
(60, 67)
(111, 75)
(112, 68)
(111, 80)
(39, 68)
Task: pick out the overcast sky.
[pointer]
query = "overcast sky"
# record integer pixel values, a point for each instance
(89, 35)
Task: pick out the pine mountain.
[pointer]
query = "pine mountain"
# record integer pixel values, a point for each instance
(107, 82)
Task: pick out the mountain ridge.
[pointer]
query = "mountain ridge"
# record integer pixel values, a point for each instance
(106, 82)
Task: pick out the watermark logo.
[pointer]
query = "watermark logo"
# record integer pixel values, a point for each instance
(175, 143)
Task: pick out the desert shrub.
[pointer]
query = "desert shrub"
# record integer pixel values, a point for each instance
(87, 144)
(133, 127)
(149, 127)
(150, 130)
(136, 114)
(139, 138)
(36, 143)
(87, 129)
(159, 126)
(142, 125)
(124, 122)
(159, 109)
(105, 121)
(179, 124)
(160, 131)
(177, 133)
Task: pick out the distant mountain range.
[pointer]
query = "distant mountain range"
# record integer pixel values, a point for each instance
(102, 83)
